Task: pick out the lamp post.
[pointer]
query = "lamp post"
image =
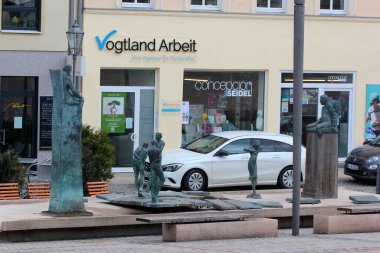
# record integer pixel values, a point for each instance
(299, 9)
(74, 38)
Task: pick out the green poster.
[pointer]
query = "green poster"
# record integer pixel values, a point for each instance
(113, 112)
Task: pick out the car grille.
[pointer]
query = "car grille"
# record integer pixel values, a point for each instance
(355, 160)
(147, 167)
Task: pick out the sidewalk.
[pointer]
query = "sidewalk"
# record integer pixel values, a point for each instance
(306, 242)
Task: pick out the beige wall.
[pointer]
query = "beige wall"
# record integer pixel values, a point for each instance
(368, 8)
(54, 20)
(261, 43)
(360, 8)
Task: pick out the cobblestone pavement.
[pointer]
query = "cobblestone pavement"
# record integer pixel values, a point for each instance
(284, 243)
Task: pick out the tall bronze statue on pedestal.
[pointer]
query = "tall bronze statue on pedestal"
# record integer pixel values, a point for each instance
(321, 179)
(66, 194)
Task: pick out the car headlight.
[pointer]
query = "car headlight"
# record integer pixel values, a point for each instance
(172, 167)
(372, 159)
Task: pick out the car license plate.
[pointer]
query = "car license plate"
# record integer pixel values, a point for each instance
(352, 166)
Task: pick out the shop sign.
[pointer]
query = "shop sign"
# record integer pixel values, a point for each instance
(170, 106)
(152, 45)
(230, 88)
(113, 115)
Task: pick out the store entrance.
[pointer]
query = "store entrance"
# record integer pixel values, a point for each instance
(18, 127)
(311, 111)
(128, 119)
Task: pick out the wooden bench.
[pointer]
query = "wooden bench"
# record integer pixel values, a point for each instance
(38, 190)
(9, 191)
(203, 226)
(363, 208)
(363, 218)
(94, 188)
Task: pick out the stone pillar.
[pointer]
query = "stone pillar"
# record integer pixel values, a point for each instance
(321, 179)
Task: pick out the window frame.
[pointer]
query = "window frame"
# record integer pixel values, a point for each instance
(137, 5)
(269, 9)
(204, 7)
(330, 11)
(37, 10)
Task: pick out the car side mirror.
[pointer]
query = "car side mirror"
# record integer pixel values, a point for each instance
(221, 153)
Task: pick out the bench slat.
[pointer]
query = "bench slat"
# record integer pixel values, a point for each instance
(9, 191)
(94, 188)
(370, 208)
(38, 190)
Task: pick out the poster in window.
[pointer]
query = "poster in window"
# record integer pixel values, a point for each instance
(372, 125)
(113, 114)
(185, 112)
(46, 116)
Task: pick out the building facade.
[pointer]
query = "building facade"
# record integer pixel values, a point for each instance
(191, 67)
(32, 41)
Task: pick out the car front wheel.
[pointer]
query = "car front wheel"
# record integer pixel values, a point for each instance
(285, 179)
(194, 180)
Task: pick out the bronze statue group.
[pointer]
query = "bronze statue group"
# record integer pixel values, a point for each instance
(156, 177)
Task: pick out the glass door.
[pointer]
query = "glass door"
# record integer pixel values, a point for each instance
(344, 97)
(309, 110)
(18, 98)
(127, 118)
(118, 121)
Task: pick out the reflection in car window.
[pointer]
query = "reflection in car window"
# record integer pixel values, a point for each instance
(237, 147)
(205, 144)
(283, 147)
(268, 145)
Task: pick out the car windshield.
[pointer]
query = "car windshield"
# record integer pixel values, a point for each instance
(205, 144)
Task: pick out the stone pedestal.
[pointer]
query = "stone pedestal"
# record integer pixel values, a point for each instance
(321, 179)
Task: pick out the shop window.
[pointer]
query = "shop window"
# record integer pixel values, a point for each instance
(270, 6)
(126, 77)
(21, 15)
(18, 119)
(309, 110)
(137, 3)
(221, 101)
(205, 5)
(334, 7)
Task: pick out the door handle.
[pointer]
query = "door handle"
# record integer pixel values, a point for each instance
(133, 137)
(276, 156)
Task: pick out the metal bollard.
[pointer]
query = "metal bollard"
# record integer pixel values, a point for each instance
(378, 181)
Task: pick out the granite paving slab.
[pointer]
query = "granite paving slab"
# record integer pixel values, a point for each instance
(364, 199)
(242, 205)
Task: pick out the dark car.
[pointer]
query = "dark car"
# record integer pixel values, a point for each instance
(362, 162)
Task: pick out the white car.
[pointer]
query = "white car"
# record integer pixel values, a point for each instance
(219, 160)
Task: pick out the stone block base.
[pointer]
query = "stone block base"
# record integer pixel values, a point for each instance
(345, 224)
(260, 227)
(321, 179)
